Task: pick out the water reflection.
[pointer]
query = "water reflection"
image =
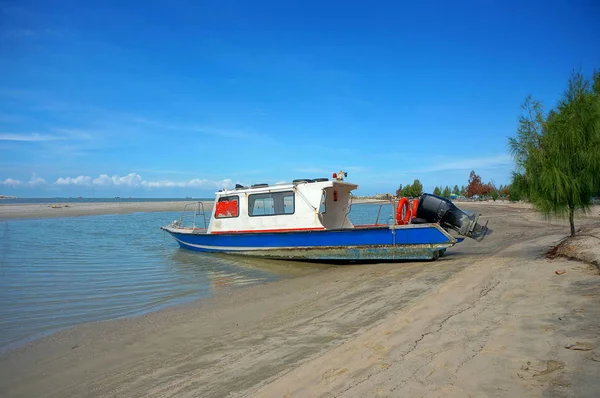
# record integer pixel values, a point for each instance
(226, 270)
(60, 272)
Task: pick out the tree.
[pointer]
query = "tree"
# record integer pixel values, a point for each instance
(487, 189)
(514, 195)
(416, 189)
(406, 191)
(558, 156)
(494, 195)
(399, 191)
(502, 191)
(475, 187)
(463, 190)
(456, 190)
(437, 191)
(510, 194)
(446, 194)
(499, 192)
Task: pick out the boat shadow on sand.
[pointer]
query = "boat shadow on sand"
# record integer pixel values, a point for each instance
(288, 267)
(242, 264)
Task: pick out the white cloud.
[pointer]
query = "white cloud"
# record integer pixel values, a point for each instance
(12, 183)
(34, 137)
(471, 164)
(81, 180)
(135, 180)
(33, 182)
(210, 130)
(130, 180)
(103, 180)
(194, 183)
(226, 183)
(439, 168)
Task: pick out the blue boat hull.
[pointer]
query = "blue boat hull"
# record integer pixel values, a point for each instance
(410, 242)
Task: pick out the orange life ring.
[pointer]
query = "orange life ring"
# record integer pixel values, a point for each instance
(400, 220)
(415, 206)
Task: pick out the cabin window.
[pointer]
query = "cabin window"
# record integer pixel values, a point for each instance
(322, 207)
(271, 204)
(227, 207)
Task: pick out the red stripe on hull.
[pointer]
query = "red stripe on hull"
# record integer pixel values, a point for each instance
(267, 230)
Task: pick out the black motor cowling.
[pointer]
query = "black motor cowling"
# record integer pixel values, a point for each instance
(434, 209)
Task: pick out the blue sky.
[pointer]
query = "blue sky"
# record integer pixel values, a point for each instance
(181, 98)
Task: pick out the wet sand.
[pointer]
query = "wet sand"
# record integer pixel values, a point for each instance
(45, 210)
(488, 319)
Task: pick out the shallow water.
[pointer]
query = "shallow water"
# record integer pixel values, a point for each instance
(95, 200)
(59, 272)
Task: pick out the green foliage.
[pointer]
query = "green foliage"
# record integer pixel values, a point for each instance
(558, 156)
(446, 194)
(494, 195)
(463, 190)
(512, 194)
(596, 82)
(416, 189)
(437, 191)
(413, 190)
(456, 190)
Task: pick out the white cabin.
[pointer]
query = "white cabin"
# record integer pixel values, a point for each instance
(303, 205)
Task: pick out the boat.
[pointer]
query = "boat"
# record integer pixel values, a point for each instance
(308, 219)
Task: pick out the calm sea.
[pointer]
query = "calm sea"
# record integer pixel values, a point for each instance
(59, 272)
(95, 200)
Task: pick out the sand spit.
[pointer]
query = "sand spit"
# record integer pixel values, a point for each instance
(488, 319)
(45, 210)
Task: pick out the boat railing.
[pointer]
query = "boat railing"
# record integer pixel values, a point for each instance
(379, 211)
(382, 202)
(198, 208)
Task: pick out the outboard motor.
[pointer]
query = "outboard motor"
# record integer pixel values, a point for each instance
(434, 209)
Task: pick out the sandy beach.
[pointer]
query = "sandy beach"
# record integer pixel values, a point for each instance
(45, 210)
(495, 318)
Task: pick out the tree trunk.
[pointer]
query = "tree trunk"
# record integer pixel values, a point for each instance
(571, 220)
